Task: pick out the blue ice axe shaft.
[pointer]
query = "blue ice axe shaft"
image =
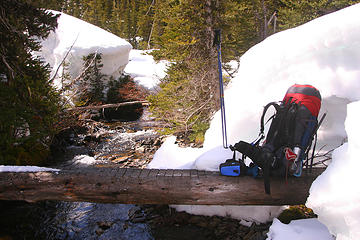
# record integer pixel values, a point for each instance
(217, 42)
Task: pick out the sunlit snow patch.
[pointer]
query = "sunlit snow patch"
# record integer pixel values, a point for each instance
(26, 169)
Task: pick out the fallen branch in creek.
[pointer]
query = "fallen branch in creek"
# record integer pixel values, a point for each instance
(111, 105)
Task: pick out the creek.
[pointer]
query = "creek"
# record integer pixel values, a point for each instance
(111, 144)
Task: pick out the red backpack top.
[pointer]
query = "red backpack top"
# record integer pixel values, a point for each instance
(306, 95)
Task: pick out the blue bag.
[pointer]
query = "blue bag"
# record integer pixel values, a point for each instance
(230, 167)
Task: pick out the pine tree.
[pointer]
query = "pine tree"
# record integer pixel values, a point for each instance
(189, 94)
(28, 102)
(293, 13)
(91, 87)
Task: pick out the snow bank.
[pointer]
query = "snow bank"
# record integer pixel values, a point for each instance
(326, 54)
(84, 38)
(26, 169)
(309, 229)
(182, 159)
(145, 71)
(245, 214)
(334, 195)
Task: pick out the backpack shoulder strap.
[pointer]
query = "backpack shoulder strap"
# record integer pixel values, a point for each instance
(262, 124)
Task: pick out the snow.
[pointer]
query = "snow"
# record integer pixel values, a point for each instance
(247, 215)
(304, 229)
(183, 159)
(145, 71)
(83, 39)
(326, 54)
(334, 195)
(84, 160)
(26, 169)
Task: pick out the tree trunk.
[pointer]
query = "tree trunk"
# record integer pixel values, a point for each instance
(212, 72)
(145, 186)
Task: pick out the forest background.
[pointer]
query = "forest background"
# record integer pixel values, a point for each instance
(180, 31)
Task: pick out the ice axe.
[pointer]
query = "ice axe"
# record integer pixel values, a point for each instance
(217, 43)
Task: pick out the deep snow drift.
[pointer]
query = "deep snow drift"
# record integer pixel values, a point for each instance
(145, 71)
(81, 39)
(326, 54)
(335, 195)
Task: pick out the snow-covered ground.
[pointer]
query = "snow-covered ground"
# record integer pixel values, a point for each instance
(324, 53)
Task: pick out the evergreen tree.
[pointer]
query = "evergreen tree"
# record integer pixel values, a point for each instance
(91, 87)
(75, 8)
(293, 13)
(189, 94)
(28, 102)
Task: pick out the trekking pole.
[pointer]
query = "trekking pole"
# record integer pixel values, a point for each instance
(217, 42)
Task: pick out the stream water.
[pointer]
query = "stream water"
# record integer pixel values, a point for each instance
(111, 144)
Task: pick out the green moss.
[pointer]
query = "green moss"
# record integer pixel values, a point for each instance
(296, 212)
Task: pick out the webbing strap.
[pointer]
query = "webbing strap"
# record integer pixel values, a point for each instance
(266, 171)
(262, 125)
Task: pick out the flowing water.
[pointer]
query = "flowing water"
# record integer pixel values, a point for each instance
(67, 220)
(116, 144)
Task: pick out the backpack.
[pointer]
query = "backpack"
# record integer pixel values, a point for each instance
(290, 135)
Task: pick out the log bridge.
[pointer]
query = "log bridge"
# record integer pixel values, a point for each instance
(152, 186)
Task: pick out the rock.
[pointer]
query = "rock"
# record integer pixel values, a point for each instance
(158, 142)
(120, 159)
(92, 138)
(136, 215)
(258, 236)
(102, 227)
(99, 231)
(140, 149)
(138, 219)
(133, 211)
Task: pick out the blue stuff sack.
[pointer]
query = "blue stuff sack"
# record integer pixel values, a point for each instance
(230, 167)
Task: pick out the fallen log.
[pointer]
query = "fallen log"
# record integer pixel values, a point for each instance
(145, 186)
(110, 105)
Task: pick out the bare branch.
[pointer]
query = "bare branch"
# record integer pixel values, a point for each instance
(63, 60)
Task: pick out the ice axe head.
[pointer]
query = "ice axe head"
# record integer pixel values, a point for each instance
(217, 38)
